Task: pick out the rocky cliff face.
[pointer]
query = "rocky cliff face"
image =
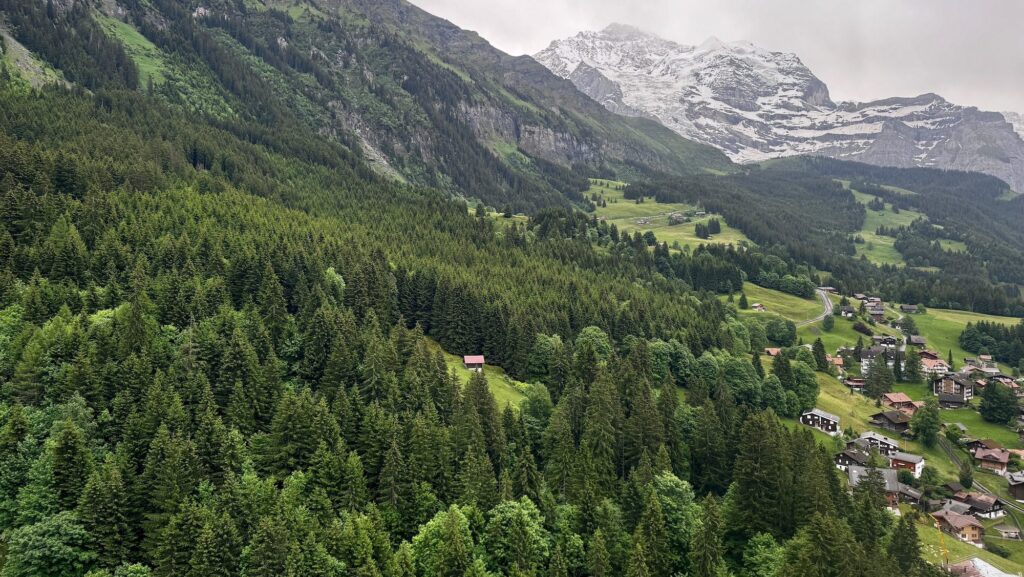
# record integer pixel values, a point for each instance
(755, 104)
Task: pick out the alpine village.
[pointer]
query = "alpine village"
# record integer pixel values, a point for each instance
(336, 288)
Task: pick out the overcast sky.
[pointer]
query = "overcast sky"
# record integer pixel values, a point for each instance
(969, 51)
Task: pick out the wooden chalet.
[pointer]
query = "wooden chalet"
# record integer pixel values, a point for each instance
(963, 527)
(852, 456)
(895, 421)
(995, 460)
(871, 440)
(824, 422)
(1015, 483)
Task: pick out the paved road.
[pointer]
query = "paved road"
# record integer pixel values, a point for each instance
(826, 302)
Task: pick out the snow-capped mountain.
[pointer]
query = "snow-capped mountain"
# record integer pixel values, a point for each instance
(755, 104)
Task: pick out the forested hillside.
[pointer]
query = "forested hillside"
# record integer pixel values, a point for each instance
(219, 329)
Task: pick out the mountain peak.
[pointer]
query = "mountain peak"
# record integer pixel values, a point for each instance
(619, 31)
(712, 43)
(754, 104)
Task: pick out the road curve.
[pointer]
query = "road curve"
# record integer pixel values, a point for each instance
(826, 302)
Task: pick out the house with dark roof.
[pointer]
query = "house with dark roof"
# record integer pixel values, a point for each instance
(907, 462)
(871, 440)
(1016, 485)
(908, 309)
(895, 421)
(917, 341)
(856, 384)
(953, 390)
(981, 505)
(847, 311)
(851, 456)
(824, 422)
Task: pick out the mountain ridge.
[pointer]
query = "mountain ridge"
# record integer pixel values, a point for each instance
(755, 104)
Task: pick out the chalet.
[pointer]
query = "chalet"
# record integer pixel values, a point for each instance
(861, 297)
(473, 362)
(964, 527)
(994, 460)
(895, 421)
(773, 352)
(934, 367)
(953, 390)
(758, 307)
(979, 444)
(824, 422)
(847, 312)
(917, 341)
(829, 289)
(1016, 485)
(852, 456)
(872, 440)
(897, 401)
(908, 309)
(929, 355)
(908, 462)
(1007, 532)
(984, 506)
(895, 492)
(875, 300)
(836, 362)
(886, 341)
(877, 313)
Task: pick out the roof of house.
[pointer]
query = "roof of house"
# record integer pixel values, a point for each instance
(956, 520)
(981, 502)
(988, 443)
(907, 457)
(894, 417)
(932, 363)
(917, 340)
(956, 507)
(879, 438)
(896, 398)
(994, 455)
(1016, 478)
(976, 567)
(822, 414)
(892, 484)
(473, 359)
(908, 307)
(1004, 528)
(771, 352)
(856, 455)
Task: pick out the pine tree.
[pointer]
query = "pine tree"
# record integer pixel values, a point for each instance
(637, 565)
(820, 358)
(598, 560)
(706, 552)
(71, 464)
(267, 551)
(904, 547)
(913, 372)
(759, 479)
(217, 549)
(652, 532)
(103, 512)
(879, 378)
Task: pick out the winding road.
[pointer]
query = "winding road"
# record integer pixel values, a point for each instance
(826, 302)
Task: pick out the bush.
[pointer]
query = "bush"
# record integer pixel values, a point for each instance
(993, 546)
(863, 329)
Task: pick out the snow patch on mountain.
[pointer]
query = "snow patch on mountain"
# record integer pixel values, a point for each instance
(1016, 120)
(756, 104)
